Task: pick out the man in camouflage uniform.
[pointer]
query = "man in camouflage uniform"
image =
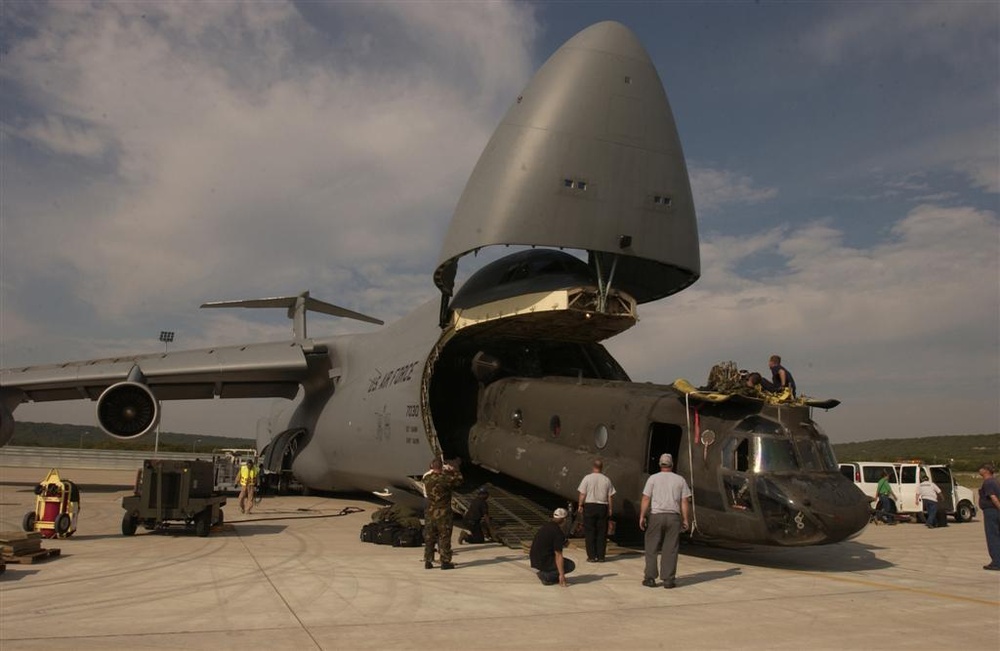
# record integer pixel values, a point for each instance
(438, 484)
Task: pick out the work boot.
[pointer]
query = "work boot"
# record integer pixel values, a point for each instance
(447, 565)
(649, 583)
(428, 565)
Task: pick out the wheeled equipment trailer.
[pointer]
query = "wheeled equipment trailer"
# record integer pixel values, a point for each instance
(173, 491)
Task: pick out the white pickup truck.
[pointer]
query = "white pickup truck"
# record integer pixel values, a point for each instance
(955, 500)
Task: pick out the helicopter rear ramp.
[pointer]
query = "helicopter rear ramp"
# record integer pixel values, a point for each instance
(515, 517)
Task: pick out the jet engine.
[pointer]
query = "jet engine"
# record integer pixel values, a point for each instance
(127, 410)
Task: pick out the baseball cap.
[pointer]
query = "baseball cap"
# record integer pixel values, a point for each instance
(667, 460)
(560, 514)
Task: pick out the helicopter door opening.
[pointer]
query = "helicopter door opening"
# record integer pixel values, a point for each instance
(663, 437)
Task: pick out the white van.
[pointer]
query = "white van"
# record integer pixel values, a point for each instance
(865, 474)
(956, 501)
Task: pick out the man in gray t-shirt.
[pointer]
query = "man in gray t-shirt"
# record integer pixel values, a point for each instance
(666, 499)
(595, 504)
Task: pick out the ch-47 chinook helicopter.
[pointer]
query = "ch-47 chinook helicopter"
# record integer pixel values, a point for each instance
(508, 372)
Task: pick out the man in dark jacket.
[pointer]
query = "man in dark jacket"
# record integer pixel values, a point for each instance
(476, 516)
(989, 503)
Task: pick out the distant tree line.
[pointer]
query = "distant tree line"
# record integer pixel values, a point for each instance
(962, 451)
(56, 435)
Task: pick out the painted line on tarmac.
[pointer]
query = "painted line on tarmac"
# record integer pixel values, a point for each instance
(902, 588)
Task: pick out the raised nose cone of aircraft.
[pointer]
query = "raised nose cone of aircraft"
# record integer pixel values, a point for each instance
(587, 157)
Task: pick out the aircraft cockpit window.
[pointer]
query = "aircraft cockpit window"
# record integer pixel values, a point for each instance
(774, 455)
(760, 425)
(736, 454)
(827, 455)
(808, 454)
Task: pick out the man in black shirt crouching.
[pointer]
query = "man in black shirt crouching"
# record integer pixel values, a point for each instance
(547, 551)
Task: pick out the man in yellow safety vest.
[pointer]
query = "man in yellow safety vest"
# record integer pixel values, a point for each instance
(248, 486)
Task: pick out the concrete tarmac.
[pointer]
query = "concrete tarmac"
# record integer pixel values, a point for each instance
(294, 575)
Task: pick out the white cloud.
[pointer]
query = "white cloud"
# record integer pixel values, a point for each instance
(245, 161)
(715, 188)
(933, 41)
(62, 137)
(917, 314)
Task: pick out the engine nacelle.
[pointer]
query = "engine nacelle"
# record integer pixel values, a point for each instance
(127, 410)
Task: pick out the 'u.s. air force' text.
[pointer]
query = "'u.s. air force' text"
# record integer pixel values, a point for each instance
(392, 378)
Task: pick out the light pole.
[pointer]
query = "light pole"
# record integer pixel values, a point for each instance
(166, 336)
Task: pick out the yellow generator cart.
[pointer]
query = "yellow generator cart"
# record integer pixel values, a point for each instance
(57, 507)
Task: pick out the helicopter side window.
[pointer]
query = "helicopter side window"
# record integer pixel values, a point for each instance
(736, 454)
(738, 492)
(743, 456)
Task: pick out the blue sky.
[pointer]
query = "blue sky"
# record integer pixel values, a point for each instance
(844, 158)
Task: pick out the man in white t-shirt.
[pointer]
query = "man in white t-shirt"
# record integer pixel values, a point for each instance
(595, 505)
(666, 499)
(929, 492)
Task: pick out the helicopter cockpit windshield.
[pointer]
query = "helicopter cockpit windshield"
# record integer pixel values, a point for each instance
(775, 450)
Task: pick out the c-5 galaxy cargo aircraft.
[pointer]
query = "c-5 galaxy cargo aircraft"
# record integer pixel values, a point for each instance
(508, 372)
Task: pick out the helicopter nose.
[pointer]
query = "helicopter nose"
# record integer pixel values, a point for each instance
(808, 510)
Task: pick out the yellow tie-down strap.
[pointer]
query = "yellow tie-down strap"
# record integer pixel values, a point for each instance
(684, 387)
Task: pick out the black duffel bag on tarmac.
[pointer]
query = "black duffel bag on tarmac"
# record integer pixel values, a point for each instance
(385, 532)
(408, 537)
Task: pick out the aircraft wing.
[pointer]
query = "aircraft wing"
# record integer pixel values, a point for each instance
(248, 371)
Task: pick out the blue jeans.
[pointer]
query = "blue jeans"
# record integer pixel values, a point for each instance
(886, 508)
(930, 508)
(991, 521)
(930, 512)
